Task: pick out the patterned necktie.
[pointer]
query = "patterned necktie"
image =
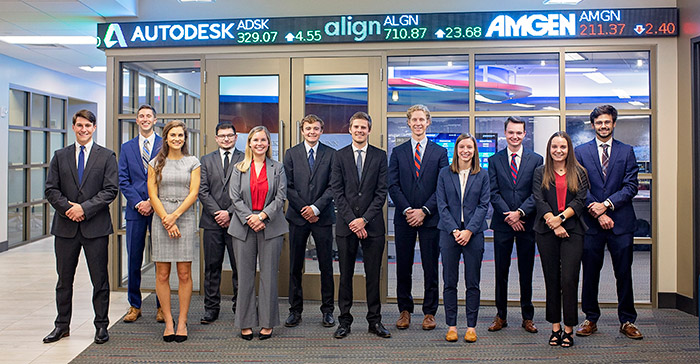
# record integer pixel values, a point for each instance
(81, 163)
(227, 161)
(513, 167)
(359, 164)
(145, 154)
(311, 159)
(416, 159)
(606, 160)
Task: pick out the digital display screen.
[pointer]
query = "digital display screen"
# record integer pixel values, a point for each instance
(488, 146)
(407, 27)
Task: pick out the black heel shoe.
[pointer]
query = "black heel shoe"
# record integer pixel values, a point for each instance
(262, 336)
(247, 337)
(181, 338)
(567, 339)
(555, 338)
(169, 338)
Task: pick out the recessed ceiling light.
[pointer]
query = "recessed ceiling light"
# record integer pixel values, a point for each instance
(67, 39)
(580, 69)
(94, 68)
(523, 105)
(574, 57)
(621, 93)
(196, 1)
(561, 2)
(598, 77)
(635, 103)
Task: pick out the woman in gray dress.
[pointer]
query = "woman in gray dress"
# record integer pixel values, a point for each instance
(173, 184)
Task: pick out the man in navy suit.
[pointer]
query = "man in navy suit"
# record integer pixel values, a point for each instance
(311, 211)
(510, 175)
(612, 171)
(358, 180)
(133, 166)
(413, 173)
(81, 183)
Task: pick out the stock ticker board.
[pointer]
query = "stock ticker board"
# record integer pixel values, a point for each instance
(407, 27)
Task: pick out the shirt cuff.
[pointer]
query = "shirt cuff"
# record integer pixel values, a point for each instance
(316, 210)
(406, 210)
(612, 206)
(137, 205)
(426, 210)
(522, 213)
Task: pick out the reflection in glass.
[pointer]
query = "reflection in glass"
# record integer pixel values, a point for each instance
(158, 97)
(127, 104)
(441, 82)
(38, 111)
(335, 98)
(58, 114)
(37, 184)
(634, 130)
(170, 101)
(538, 130)
(38, 152)
(16, 185)
(15, 225)
(517, 82)
(36, 221)
(620, 79)
(18, 107)
(181, 97)
(56, 143)
(248, 101)
(642, 208)
(17, 149)
(143, 90)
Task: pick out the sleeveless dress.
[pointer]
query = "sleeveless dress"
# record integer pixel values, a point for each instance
(174, 188)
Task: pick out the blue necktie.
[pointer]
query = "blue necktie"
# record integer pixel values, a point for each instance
(81, 163)
(359, 164)
(311, 159)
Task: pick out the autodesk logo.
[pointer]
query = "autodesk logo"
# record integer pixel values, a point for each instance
(112, 30)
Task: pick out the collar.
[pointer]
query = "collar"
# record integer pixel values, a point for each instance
(88, 146)
(423, 143)
(599, 142)
(519, 152)
(307, 147)
(363, 149)
(151, 140)
(222, 151)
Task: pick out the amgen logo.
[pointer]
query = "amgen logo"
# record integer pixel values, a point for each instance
(537, 25)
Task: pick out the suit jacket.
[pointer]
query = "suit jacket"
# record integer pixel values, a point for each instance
(475, 202)
(355, 198)
(409, 191)
(132, 176)
(213, 186)
(546, 201)
(620, 186)
(97, 190)
(507, 196)
(239, 191)
(306, 187)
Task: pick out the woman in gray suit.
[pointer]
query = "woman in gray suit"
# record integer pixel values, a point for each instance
(258, 188)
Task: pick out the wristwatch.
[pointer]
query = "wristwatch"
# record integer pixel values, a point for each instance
(562, 217)
(425, 210)
(606, 203)
(260, 217)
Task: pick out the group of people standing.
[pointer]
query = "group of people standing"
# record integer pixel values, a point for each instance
(573, 206)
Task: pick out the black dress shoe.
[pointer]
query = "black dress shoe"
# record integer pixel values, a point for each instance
(379, 330)
(262, 336)
(342, 331)
(209, 317)
(169, 338)
(247, 336)
(328, 320)
(56, 334)
(180, 338)
(293, 320)
(101, 335)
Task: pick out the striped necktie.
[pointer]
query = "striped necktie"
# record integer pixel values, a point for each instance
(605, 160)
(145, 154)
(513, 167)
(416, 159)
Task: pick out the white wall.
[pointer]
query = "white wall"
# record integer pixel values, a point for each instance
(14, 72)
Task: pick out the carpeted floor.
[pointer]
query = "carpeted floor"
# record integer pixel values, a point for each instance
(671, 336)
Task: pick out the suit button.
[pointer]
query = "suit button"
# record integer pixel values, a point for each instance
(359, 193)
(357, 208)
(311, 186)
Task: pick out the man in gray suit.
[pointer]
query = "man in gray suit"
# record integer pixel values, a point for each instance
(216, 217)
(82, 182)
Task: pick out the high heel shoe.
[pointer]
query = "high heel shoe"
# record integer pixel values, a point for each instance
(247, 337)
(169, 338)
(262, 336)
(567, 339)
(181, 338)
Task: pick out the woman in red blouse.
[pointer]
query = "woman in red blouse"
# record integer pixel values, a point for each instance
(258, 188)
(559, 188)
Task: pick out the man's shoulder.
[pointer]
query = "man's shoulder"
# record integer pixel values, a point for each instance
(132, 141)
(585, 145)
(372, 149)
(619, 144)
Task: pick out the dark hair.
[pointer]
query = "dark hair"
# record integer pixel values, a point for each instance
(310, 119)
(603, 110)
(147, 106)
(165, 148)
(85, 114)
(514, 120)
(476, 166)
(361, 115)
(573, 168)
(225, 125)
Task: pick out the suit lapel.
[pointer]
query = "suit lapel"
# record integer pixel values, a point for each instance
(593, 150)
(73, 165)
(136, 151)
(270, 181)
(455, 182)
(470, 182)
(523, 163)
(156, 146)
(219, 165)
(94, 151)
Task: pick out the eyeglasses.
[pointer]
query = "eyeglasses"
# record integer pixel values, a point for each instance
(599, 123)
(226, 136)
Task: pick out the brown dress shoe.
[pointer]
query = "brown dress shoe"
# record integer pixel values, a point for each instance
(160, 317)
(498, 324)
(631, 331)
(529, 326)
(452, 336)
(470, 337)
(404, 320)
(429, 322)
(133, 314)
(586, 328)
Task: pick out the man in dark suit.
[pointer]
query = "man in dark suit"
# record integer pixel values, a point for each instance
(612, 171)
(133, 173)
(510, 176)
(81, 183)
(358, 180)
(310, 211)
(216, 217)
(413, 173)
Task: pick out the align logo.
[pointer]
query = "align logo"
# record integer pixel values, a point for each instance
(114, 30)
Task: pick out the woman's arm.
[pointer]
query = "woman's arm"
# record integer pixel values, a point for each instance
(195, 178)
(153, 194)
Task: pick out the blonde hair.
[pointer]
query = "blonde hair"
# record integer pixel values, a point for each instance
(244, 165)
(476, 166)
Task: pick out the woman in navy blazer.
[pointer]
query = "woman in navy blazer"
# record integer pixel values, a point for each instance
(559, 188)
(462, 226)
